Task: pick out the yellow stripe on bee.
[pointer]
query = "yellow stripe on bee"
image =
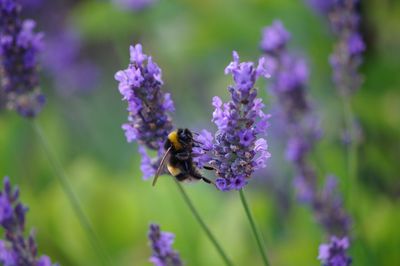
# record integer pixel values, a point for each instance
(173, 137)
(173, 170)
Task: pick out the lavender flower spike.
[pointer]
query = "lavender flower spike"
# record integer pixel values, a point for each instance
(289, 85)
(15, 249)
(347, 55)
(334, 253)
(238, 150)
(161, 244)
(19, 45)
(149, 121)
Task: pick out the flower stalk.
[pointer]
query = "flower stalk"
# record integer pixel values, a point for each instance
(253, 226)
(71, 196)
(203, 225)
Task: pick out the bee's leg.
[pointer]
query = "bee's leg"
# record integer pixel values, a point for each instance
(208, 167)
(199, 176)
(208, 181)
(181, 177)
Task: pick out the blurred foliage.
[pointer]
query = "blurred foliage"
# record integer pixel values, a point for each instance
(192, 42)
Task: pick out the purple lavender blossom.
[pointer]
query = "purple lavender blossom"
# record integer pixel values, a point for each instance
(290, 74)
(161, 245)
(329, 209)
(32, 4)
(200, 153)
(289, 85)
(346, 58)
(149, 122)
(238, 150)
(322, 6)
(70, 72)
(148, 165)
(19, 46)
(334, 253)
(15, 249)
(134, 5)
(274, 37)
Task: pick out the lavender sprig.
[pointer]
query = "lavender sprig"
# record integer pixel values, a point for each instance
(289, 85)
(15, 248)
(149, 121)
(347, 55)
(161, 245)
(237, 150)
(345, 60)
(19, 46)
(71, 71)
(334, 253)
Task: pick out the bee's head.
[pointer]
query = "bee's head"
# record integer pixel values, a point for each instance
(185, 136)
(181, 138)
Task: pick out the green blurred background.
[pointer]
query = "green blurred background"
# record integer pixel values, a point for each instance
(192, 42)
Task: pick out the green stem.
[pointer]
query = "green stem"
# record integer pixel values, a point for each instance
(204, 226)
(67, 188)
(257, 235)
(351, 189)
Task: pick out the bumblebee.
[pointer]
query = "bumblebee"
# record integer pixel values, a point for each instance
(178, 157)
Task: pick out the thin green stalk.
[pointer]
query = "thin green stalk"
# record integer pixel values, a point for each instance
(257, 235)
(352, 193)
(351, 189)
(73, 199)
(204, 226)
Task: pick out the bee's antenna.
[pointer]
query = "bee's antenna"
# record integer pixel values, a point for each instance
(161, 166)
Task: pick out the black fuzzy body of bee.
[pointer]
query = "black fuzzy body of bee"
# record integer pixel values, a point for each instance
(178, 157)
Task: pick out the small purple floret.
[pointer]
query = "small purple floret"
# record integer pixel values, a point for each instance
(274, 37)
(15, 248)
(346, 58)
(19, 47)
(161, 245)
(334, 253)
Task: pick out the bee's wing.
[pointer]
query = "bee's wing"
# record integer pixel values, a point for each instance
(161, 166)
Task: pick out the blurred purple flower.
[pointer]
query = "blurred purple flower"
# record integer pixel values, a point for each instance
(31, 4)
(7, 255)
(161, 245)
(62, 59)
(15, 249)
(346, 58)
(237, 150)
(329, 209)
(290, 76)
(19, 47)
(289, 85)
(274, 37)
(322, 6)
(334, 253)
(148, 165)
(296, 149)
